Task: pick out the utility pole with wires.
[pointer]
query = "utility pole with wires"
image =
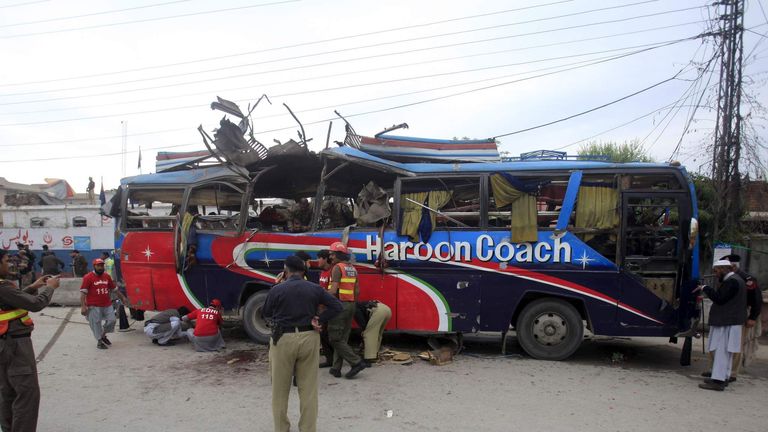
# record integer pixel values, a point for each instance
(727, 146)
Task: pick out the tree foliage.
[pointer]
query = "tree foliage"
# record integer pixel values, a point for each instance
(628, 151)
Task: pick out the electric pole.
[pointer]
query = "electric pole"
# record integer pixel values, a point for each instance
(726, 176)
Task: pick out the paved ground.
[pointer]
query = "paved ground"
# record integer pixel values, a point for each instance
(609, 385)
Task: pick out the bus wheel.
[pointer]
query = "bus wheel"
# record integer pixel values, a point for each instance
(255, 324)
(550, 329)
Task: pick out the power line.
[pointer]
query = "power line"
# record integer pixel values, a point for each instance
(318, 108)
(93, 14)
(676, 109)
(23, 4)
(440, 97)
(302, 44)
(693, 114)
(149, 19)
(648, 114)
(313, 65)
(681, 99)
(376, 69)
(589, 110)
(368, 84)
(336, 51)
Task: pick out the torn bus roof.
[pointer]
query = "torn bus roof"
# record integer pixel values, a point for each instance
(190, 176)
(411, 169)
(172, 161)
(401, 148)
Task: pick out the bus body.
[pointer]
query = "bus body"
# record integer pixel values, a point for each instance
(545, 247)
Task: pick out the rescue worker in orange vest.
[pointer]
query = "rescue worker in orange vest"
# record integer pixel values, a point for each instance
(343, 285)
(325, 263)
(19, 388)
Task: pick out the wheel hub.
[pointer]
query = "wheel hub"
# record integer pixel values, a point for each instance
(550, 329)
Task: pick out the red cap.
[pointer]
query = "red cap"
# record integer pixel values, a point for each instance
(216, 303)
(339, 247)
(98, 261)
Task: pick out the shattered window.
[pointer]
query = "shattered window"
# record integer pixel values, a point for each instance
(215, 206)
(650, 181)
(270, 214)
(597, 214)
(153, 208)
(434, 204)
(530, 203)
(336, 212)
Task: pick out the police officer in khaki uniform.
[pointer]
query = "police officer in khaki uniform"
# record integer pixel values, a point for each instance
(295, 344)
(19, 388)
(345, 286)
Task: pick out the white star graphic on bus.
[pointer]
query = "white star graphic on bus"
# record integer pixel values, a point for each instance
(266, 259)
(148, 253)
(584, 260)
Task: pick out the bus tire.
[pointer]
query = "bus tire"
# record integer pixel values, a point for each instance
(254, 324)
(550, 329)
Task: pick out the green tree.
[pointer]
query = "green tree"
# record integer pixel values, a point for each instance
(628, 151)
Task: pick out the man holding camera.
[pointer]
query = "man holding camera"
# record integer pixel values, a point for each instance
(19, 388)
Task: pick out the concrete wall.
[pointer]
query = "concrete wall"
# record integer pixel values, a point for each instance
(68, 293)
(57, 231)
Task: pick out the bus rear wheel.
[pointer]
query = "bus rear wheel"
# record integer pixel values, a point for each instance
(550, 329)
(254, 323)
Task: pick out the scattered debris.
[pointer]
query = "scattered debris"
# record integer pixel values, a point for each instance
(397, 357)
(234, 360)
(390, 413)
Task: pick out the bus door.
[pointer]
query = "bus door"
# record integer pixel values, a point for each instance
(213, 210)
(652, 257)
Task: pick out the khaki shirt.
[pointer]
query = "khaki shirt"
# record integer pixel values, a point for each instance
(11, 297)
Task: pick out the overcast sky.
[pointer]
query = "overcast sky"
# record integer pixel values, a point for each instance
(73, 71)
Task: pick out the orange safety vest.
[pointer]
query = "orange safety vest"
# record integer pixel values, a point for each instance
(347, 282)
(6, 316)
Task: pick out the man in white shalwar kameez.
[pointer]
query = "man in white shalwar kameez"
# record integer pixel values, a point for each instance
(726, 317)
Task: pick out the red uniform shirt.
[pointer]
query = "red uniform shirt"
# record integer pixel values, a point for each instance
(325, 279)
(208, 321)
(96, 289)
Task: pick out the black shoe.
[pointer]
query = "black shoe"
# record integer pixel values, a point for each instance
(731, 379)
(707, 374)
(356, 369)
(326, 364)
(335, 372)
(713, 385)
(101, 345)
(105, 340)
(154, 341)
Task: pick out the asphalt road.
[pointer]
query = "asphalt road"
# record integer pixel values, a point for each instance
(609, 385)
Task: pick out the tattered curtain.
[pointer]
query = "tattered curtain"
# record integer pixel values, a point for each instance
(523, 226)
(597, 207)
(418, 221)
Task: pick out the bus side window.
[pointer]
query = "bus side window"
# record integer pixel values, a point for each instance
(597, 214)
(217, 206)
(153, 208)
(427, 205)
(525, 205)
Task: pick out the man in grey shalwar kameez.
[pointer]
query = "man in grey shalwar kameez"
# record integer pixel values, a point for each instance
(726, 317)
(165, 326)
